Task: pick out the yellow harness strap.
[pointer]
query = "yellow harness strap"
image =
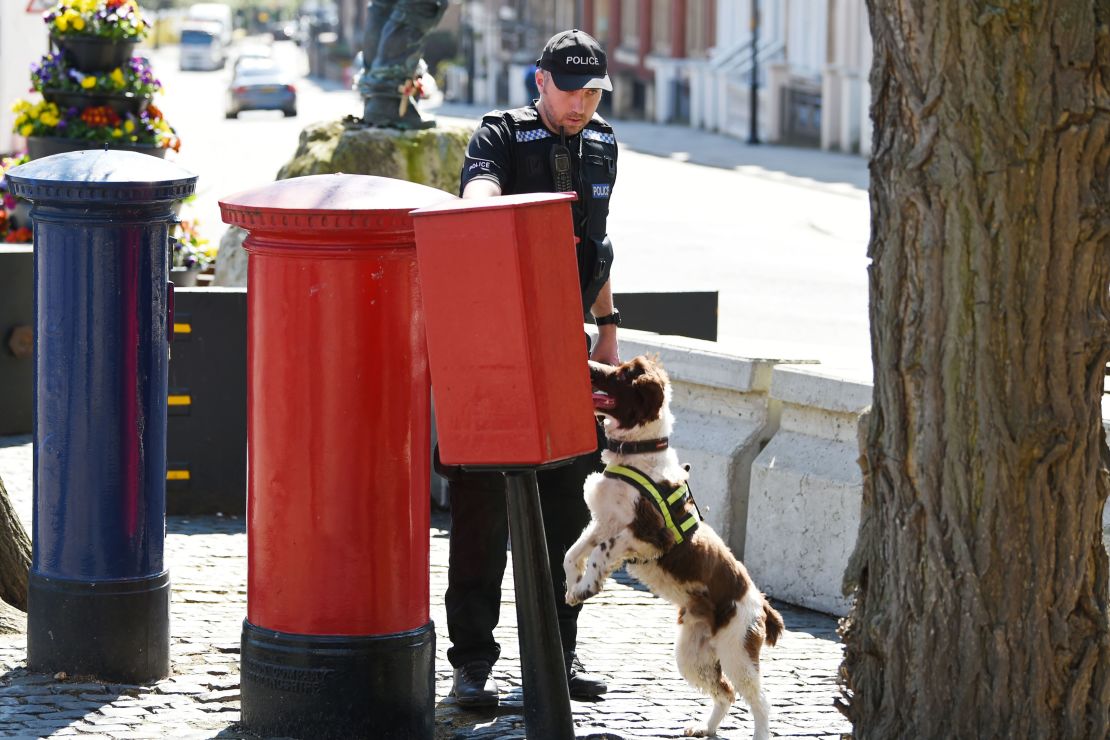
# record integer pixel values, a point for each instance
(671, 505)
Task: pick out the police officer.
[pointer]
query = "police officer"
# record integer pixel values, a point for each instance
(556, 144)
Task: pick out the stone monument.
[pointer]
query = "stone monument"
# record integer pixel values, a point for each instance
(391, 49)
(392, 139)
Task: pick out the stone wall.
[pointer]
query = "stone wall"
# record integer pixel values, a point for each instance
(805, 490)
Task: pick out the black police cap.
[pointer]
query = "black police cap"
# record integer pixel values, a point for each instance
(575, 60)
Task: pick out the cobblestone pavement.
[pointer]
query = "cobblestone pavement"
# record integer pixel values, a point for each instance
(625, 635)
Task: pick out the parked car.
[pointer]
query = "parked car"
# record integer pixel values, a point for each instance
(261, 84)
(201, 46)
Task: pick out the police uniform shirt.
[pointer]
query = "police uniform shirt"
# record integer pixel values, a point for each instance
(513, 149)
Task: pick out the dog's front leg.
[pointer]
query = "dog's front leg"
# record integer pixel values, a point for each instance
(604, 559)
(575, 561)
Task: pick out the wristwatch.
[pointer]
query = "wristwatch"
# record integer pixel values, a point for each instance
(613, 318)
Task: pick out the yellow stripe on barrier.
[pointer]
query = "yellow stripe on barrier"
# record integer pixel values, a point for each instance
(182, 328)
(177, 475)
(180, 400)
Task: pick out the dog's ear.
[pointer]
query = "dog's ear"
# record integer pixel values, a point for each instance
(649, 394)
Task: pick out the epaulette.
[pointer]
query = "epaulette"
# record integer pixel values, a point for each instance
(494, 115)
(525, 115)
(599, 123)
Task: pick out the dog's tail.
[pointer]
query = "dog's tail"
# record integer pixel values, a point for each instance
(772, 623)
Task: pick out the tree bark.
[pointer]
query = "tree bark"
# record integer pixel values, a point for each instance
(15, 560)
(980, 576)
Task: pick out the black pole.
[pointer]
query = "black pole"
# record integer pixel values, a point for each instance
(753, 130)
(471, 66)
(546, 697)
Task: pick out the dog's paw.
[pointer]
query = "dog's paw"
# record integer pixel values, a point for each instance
(579, 593)
(698, 731)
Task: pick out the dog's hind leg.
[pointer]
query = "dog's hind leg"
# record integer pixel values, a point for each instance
(741, 664)
(699, 666)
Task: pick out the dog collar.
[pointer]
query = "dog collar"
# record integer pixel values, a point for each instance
(670, 502)
(632, 448)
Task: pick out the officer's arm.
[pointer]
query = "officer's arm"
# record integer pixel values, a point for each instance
(481, 188)
(606, 348)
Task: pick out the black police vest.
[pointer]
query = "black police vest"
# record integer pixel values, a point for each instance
(593, 157)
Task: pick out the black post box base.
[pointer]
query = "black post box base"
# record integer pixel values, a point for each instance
(339, 686)
(113, 630)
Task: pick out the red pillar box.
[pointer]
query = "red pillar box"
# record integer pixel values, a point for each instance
(508, 357)
(337, 640)
(504, 321)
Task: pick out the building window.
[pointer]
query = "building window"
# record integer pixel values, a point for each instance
(661, 27)
(601, 21)
(630, 24)
(698, 19)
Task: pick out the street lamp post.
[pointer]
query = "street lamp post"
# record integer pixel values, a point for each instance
(753, 128)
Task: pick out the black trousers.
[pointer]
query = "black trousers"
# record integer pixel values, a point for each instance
(479, 534)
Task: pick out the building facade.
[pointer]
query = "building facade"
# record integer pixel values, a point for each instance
(699, 62)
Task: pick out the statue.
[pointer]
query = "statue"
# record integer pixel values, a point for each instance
(391, 49)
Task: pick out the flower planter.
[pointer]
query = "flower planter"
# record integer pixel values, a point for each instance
(184, 277)
(93, 53)
(44, 146)
(121, 102)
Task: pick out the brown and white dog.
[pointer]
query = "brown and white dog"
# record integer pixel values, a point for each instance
(723, 618)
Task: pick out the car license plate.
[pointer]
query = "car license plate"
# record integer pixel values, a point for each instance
(269, 89)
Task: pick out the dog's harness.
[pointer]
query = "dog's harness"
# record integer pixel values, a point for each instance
(671, 503)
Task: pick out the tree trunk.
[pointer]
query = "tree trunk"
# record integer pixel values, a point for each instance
(980, 576)
(15, 559)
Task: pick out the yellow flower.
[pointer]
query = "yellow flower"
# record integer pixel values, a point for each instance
(128, 125)
(116, 133)
(62, 22)
(49, 119)
(88, 82)
(78, 23)
(117, 77)
(26, 129)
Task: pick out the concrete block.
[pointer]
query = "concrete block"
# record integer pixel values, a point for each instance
(806, 485)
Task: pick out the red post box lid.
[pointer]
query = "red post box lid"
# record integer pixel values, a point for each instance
(503, 312)
(501, 202)
(319, 204)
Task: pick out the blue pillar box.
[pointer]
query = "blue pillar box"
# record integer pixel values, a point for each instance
(99, 591)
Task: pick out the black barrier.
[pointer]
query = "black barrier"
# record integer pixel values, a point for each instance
(206, 446)
(688, 314)
(17, 316)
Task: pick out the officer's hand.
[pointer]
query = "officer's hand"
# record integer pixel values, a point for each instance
(606, 348)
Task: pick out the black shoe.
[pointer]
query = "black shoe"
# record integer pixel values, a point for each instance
(474, 686)
(582, 685)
